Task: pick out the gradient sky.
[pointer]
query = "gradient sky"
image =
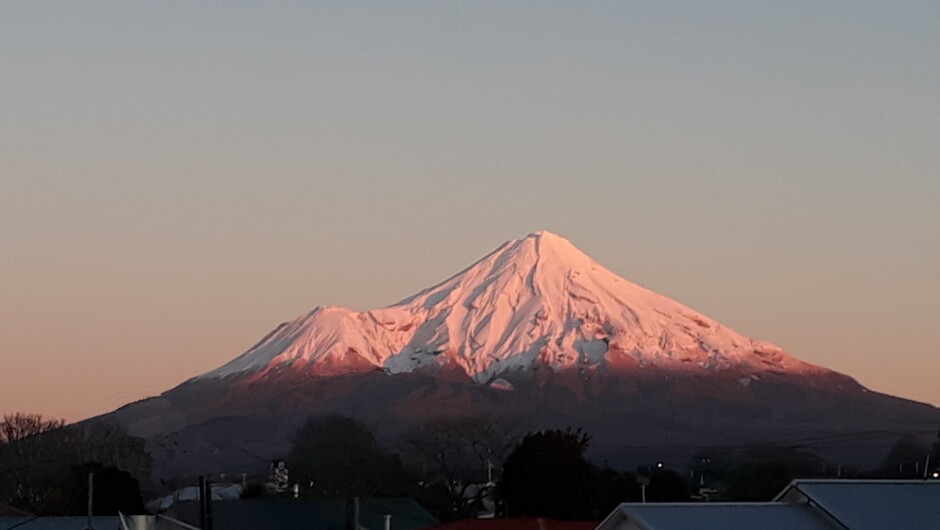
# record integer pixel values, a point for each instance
(177, 178)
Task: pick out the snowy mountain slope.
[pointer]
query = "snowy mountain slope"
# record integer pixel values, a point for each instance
(537, 302)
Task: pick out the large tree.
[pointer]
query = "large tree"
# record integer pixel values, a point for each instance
(666, 485)
(463, 456)
(610, 488)
(336, 456)
(760, 472)
(905, 459)
(547, 475)
(114, 490)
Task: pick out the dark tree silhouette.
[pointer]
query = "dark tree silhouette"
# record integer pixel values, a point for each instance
(336, 456)
(754, 473)
(461, 455)
(114, 491)
(761, 472)
(36, 471)
(547, 475)
(905, 459)
(609, 489)
(666, 485)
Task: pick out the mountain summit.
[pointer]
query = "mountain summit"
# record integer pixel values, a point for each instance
(533, 303)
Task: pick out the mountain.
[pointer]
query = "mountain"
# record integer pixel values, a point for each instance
(536, 333)
(533, 303)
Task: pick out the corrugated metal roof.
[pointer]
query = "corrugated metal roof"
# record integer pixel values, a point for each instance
(306, 514)
(9, 511)
(59, 523)
(515, 523)
(724, 516)
(877, 504)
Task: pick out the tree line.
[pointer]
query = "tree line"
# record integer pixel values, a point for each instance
(454, 467)
(44, 466)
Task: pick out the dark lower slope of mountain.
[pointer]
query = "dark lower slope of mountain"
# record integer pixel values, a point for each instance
(232, 425)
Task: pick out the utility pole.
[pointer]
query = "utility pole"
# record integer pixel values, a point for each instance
(202, 502)
(205, 503)
(91, 502)
(209, 519)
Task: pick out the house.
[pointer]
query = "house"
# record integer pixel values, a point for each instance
(515, 523)
(870, 504)
(307, 514)
(802, 505)
(60, 523)
(220, 492)
(9, 511)
(718, 515)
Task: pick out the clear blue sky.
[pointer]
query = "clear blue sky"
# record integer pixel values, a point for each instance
(176, 178)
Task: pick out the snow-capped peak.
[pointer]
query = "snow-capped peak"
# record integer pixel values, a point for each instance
(533, 302)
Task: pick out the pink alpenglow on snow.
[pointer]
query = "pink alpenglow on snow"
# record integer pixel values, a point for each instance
(537, 302)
